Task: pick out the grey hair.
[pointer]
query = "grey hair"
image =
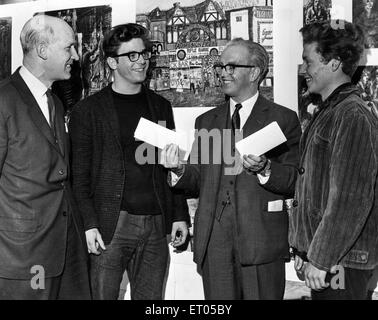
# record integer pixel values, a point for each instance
(35, 31)
(258, 55)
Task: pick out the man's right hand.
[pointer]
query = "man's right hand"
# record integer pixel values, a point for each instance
(170, 158)
(94, 241)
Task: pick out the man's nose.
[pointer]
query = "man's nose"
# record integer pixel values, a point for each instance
(302, 68)
(74, 55)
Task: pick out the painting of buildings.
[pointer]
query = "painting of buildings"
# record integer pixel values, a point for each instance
(188, 40)
(5, 47)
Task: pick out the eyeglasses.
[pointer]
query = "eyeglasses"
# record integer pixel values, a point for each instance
(230, 67)
(134, 55)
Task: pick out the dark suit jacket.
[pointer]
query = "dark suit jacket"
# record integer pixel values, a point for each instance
(262, 234)
(98, 164)
(35, 197)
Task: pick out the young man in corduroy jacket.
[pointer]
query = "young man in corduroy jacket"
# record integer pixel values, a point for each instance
(334, 225)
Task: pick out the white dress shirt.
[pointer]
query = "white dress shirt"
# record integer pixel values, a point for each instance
(246, 109)
(38, 90)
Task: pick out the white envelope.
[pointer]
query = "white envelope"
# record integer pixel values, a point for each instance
(261, 141)
(159, 136)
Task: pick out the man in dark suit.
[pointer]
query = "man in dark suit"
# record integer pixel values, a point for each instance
(240, 228)
(126, 204)
(42, 248)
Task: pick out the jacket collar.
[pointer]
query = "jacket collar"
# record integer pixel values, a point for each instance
(339, 94)
(35, 111)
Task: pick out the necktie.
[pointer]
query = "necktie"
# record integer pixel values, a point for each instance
(51, 105)
(236, 118)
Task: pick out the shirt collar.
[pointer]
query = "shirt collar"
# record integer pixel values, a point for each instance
(36, 87)
(247, 105)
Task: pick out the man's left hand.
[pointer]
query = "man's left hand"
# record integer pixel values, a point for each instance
(254, 163)
(314, 277)
(179, 233)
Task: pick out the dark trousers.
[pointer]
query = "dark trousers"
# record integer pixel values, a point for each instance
(72, 284)
(225, 278)
(140, 247)
(356, 287)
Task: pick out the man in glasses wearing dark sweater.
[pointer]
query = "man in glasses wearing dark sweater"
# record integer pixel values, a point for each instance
(127, 206)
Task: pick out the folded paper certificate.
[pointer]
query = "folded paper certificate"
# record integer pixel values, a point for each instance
(159, 136)
(261, 141)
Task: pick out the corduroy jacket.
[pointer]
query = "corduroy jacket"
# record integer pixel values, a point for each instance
(336, 218)
(98, 170)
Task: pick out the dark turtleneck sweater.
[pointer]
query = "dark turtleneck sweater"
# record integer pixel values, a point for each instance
(138, 193)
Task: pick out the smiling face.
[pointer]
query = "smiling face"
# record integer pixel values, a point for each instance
(317, 72)
(126, 73)
(61, 53)
(368, 4)
(238, 85)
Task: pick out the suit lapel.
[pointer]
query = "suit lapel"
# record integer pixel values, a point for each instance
(220, 118)
(219, 122)
(258, 117)
(110, 113)
(34, 110)
(60, 127)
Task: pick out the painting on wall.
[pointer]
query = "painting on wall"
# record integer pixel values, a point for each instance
(316, 11)
(5, 47)
(188, 38)
(366, 79)
(365, 13)
(91, 73)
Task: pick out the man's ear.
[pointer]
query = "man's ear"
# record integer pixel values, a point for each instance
(112, 63)
(335, 64)
(42, 50)
(255, 74)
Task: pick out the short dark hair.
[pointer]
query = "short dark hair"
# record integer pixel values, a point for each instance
(337, 39)
(258, 55)
(117, 35)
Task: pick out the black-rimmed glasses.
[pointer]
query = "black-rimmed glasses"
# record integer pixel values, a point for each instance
(230, 67)
(134, 55)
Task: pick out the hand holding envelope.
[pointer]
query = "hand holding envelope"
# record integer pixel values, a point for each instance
(261, 141)
(253, 148)
(160, 137)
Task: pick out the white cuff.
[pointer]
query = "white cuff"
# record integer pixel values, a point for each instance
(263, 180)
(173, 178)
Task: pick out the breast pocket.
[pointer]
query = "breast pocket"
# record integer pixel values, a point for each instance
(320, 141)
